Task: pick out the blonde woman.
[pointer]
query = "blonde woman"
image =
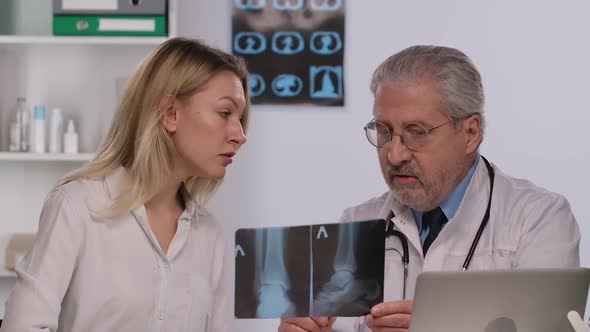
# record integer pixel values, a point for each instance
(124, 243)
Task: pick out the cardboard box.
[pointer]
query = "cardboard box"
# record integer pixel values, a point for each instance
(18, 245)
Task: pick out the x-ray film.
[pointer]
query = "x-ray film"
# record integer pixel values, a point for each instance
(303, 271)
(294, 50)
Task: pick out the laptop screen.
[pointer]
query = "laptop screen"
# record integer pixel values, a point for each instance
(493, 301)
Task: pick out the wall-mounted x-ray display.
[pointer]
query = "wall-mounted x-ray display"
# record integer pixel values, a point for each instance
(294, 50)
(303, 271)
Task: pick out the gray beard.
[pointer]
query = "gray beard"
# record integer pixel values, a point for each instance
(434, 192)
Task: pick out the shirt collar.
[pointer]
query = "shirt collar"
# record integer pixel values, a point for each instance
(451, 204)
(115, 183)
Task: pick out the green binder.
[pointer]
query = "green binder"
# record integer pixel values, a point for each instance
(109, 25)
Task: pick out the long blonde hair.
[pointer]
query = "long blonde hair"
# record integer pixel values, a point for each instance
(137, 141)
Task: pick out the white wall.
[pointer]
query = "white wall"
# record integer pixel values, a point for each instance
(305, 164)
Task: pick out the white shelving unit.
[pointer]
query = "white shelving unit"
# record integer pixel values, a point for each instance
(4, 273)
(7, 277)
(67, 40)
(19, 156)
(81, 75)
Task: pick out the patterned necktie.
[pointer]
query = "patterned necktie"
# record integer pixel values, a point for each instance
(434, 219)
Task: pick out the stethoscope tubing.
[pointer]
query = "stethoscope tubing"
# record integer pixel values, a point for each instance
(404, 241)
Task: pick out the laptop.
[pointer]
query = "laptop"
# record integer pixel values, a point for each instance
(499, 301)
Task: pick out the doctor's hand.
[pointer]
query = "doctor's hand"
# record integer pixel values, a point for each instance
(390, 316)
(311, 324)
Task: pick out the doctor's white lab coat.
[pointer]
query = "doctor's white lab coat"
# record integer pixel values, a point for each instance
(529, 227)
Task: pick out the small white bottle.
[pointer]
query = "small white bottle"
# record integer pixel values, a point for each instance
(14, 137)
(56, 131)
(25, 139)
(19, 127)
(39, 123)
(71, 138)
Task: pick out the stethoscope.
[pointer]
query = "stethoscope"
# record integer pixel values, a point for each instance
(404, 241)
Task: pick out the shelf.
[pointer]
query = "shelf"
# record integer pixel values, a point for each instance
(4, 273)
(24, 156)
(79, 40)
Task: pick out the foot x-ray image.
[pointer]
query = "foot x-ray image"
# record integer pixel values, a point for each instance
(316, 270)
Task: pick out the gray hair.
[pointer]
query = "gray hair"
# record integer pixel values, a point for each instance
(454, 74)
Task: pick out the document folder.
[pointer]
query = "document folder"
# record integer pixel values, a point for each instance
(109, 7)
(109, 25)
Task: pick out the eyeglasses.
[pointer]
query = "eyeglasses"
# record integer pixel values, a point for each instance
(414, 136)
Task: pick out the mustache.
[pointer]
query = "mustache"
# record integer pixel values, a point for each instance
(407, 170)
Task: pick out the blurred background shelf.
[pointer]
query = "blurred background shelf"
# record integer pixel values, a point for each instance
(24, 156)
(82, 75)
(4, 273)
(75, 40)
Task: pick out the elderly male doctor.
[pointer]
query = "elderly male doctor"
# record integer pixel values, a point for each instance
(427, 127)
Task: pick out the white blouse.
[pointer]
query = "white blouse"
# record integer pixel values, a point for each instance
(87, 272)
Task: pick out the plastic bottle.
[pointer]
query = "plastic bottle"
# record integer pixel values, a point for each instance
(39, 123)
(25, 129)
(14, 136)
(71, 138)
(56, 131)
(19, 127)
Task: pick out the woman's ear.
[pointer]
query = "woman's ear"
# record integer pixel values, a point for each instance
(168, 113)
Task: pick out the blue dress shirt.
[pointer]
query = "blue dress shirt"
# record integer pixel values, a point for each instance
(450, 205)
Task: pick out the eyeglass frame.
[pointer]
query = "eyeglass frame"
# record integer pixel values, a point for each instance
(393, 133)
